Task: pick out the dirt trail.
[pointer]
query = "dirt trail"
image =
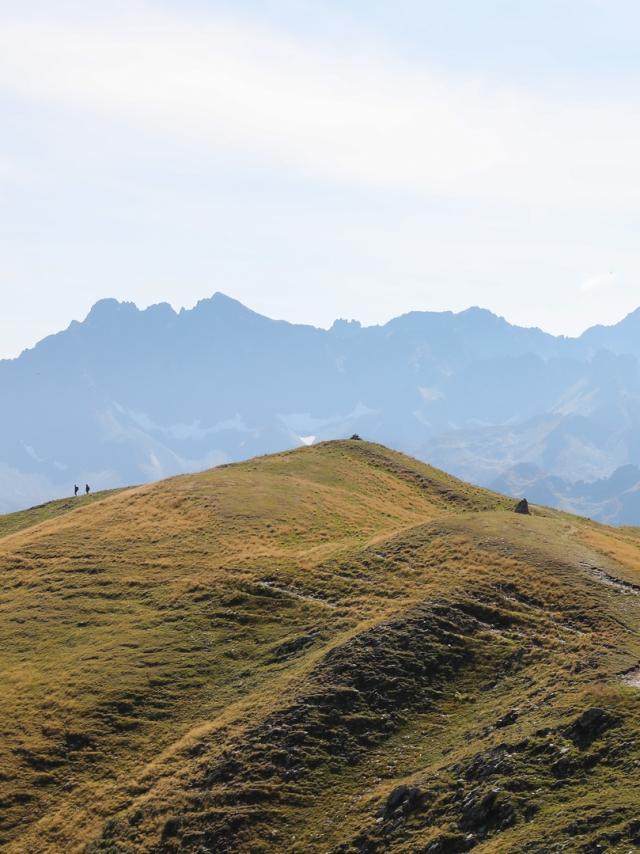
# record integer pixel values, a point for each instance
(287, 591)
(625, 587)
(632, 677)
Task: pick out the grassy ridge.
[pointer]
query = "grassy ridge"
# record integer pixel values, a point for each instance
(333, 649)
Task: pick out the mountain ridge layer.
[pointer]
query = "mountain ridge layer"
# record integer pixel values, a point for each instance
(129, 396)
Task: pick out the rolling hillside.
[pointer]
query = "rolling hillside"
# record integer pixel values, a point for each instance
(335, 649)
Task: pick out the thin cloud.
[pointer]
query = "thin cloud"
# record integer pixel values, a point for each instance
(598, 282)
(364, 118)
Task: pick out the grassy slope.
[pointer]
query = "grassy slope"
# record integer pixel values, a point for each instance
(255, 658)
(12, 522)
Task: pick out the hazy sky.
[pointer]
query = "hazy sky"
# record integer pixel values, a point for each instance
(320, 159)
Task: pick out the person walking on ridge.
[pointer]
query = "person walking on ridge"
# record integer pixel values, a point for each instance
(87, 489)
(75, 490)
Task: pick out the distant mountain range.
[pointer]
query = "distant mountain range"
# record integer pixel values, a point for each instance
(130, 395)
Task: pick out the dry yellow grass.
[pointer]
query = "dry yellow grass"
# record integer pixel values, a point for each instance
(253, 658)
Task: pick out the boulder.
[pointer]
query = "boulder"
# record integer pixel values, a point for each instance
(403, 798)
(451, 843)
(589, 726)
(484, 811)
(506, 720)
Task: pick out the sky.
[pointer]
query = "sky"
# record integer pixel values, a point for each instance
(350, 158)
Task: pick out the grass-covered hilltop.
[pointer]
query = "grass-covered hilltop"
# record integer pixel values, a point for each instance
(336, 649)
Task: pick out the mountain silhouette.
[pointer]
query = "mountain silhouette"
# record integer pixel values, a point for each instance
(132, 395)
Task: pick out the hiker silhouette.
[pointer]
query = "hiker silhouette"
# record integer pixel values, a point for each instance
(86, 488)
(75, 489)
